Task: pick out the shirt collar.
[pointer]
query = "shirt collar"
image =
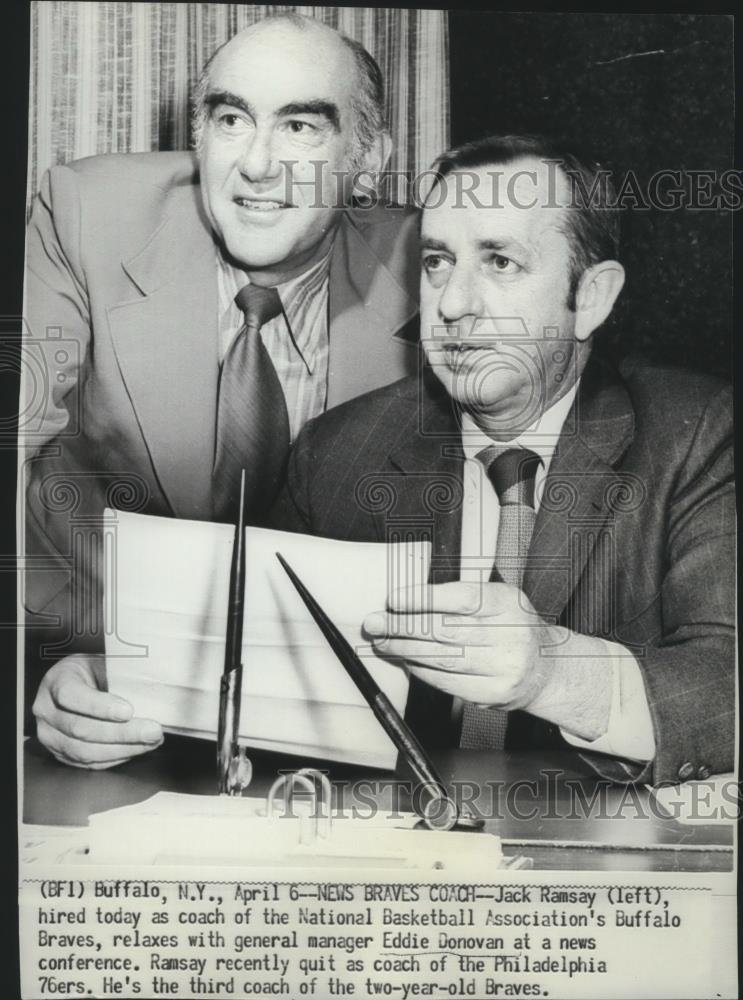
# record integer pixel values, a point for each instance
(541, 437)
(294, 294)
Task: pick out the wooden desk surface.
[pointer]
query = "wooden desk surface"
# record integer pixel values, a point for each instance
(535, 802)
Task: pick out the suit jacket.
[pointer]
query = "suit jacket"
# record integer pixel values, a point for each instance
(121, 351)
(633, 541)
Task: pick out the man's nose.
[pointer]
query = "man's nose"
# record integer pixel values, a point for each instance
(461, 296)
(259, 161)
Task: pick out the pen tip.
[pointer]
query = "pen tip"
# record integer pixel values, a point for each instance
(287, 568)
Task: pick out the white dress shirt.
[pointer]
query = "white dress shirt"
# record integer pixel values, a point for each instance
(629, 732)
(296, 340)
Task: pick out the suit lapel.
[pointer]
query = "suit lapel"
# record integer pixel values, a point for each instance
(166, 347)
(581, 490)
(580, 493)
(367, 308)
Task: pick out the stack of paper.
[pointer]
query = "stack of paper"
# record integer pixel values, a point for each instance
(167, 584)
(171, 828)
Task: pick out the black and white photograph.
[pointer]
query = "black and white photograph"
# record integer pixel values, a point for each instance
(375, 517)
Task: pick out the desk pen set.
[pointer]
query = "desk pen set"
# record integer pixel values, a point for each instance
(296, 824)
(303, 821)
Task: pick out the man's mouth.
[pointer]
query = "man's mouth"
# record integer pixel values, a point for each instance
(459, 348)
(458, 353)
(261, 204)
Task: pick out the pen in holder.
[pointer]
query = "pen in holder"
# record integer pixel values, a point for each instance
(319, 823)
(440, 811)
(234, 770)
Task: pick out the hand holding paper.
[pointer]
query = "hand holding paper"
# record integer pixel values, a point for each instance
(481, 642)
(486, 644)
(83, 725)
(167, 601)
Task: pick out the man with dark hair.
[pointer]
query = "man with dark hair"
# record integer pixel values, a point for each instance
(193, 312)
(581, 516)
(592, 223)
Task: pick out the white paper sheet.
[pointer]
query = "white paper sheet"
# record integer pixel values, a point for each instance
(176, 829)
(166, 595)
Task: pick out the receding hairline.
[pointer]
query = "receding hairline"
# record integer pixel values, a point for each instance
(559, 220)
(523, 164)
(365, 90)
(297, 22)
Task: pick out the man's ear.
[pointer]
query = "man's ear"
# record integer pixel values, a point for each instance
(597, 292)
(374, 161)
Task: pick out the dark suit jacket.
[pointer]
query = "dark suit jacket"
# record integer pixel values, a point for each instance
(633, 541)
(121, 352)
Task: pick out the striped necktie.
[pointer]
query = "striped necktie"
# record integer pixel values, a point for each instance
(252, 421)
(512, 474)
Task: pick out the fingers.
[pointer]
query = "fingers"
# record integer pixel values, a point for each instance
(482, 663)
(480, 689)
(480, 642)
(429, 654)
(85, 727)
(83, 742)
(81, 729)
(72, 692)
(476, 661)
(456, 597)
(81, 753)
(457, 631)
(434, 655)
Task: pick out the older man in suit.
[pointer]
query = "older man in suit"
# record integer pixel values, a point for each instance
(581, 516)
(191, 313)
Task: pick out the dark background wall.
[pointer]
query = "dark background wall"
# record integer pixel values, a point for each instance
(644, 93)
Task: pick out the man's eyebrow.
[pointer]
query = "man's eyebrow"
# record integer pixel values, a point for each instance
(506, 243)
(431, 244)
(217, 97)
(326, 109)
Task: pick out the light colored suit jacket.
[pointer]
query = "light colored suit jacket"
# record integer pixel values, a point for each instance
(121, 344)
(634, 539)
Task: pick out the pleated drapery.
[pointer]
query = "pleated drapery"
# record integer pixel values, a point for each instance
(116, 77)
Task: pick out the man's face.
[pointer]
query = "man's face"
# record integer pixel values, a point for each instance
(279, 122)
(496, 327)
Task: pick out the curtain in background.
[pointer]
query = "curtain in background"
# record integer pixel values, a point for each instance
(116, 77)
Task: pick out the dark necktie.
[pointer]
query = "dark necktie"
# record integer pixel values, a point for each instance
(252, 422)
(512, 474)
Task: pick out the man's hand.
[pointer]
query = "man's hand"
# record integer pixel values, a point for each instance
(83, 725)
(486, 644)
(481, 643)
